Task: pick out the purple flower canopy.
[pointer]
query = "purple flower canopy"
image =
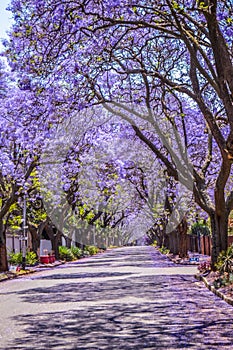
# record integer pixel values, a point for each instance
(163, 68)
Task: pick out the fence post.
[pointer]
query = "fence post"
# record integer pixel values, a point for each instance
(202, 243)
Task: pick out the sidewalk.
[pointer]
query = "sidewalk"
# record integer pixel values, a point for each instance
(193, 259)
(30, 269)
(40, 267)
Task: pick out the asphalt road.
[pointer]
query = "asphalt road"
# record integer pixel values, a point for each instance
(128, 298)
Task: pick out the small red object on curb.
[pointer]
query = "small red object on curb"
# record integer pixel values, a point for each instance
(44, 259)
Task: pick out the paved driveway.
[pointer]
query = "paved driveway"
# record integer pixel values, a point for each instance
(128, 298)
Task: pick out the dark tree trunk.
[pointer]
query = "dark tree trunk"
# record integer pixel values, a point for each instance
(219, 229)
(3, 258)
(3, 251)
(56, 241)
(68, 241)
(182, 230)
(35, 238)
(55, 238)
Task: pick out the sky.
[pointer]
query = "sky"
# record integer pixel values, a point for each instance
(5, 16)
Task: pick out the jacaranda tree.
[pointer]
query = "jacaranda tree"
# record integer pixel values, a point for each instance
(157, 64)
(24, 124)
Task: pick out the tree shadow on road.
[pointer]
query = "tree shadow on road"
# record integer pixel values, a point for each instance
(145, 312)
(120, 327)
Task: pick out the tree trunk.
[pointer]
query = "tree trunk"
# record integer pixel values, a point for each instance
(3, 252)
(55, 238)
(182, 230)
(219, 229)
(56, 242)
(35, 238)
(68, 241)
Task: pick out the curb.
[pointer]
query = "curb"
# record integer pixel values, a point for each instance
(213, 290)
(10, 276)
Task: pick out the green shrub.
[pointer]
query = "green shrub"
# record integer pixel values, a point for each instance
(222, 281)
(86, 253)
(164, 250)
(31, 258)
(17, 258)
(65, 253)
(92, 249)
(225, 261)
(200, 228)
(77, 252)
